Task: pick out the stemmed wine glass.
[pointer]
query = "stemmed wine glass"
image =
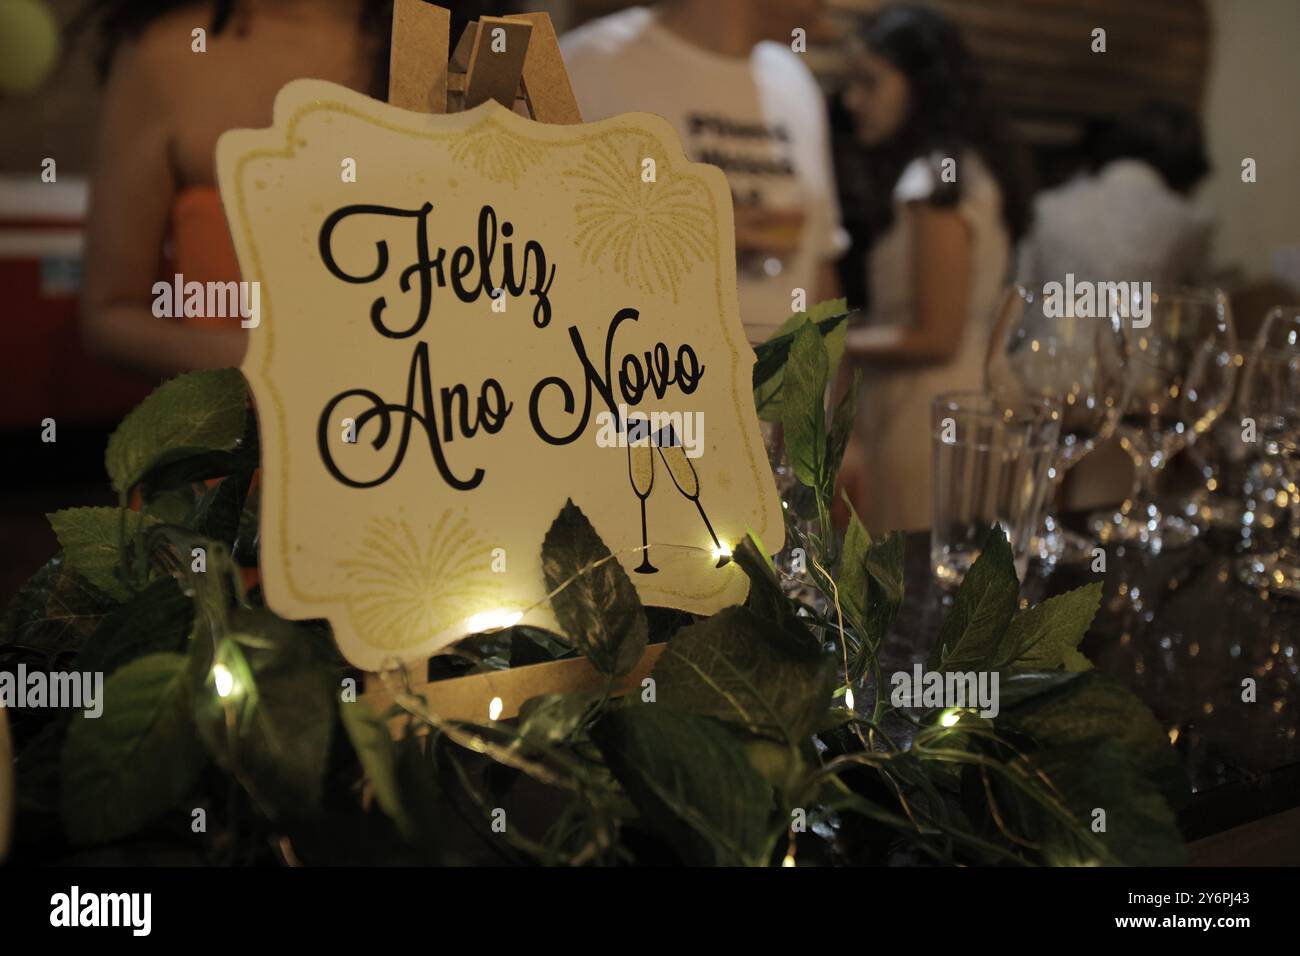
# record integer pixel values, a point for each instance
(1270, 399)
(1280, 329)
(1221, 459)
(1079, 362)
(1182, 369)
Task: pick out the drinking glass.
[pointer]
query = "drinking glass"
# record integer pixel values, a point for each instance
(791, 563)
(1280, 329)
(1181, 372)
(1271, 401)
(991, 459)
(1226, 461)
(1078, 361)
(1221, 459)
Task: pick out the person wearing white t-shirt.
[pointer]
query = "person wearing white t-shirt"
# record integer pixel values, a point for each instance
(724, 74)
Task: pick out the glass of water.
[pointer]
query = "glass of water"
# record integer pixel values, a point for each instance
(992, 454)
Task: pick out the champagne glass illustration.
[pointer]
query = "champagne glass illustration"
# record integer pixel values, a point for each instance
(641, 472)
(642, 449)
(684, 476)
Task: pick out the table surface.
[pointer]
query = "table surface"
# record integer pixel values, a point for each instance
(1182, 633)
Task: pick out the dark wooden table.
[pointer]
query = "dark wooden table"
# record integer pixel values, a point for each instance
(1182, 633)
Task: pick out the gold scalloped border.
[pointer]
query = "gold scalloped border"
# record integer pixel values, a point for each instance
(493, 115)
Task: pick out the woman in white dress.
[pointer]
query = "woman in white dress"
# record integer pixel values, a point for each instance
(945, 205)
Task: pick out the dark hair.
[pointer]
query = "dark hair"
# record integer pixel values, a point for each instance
(119, 21)
(1165, 135)
(947, 114)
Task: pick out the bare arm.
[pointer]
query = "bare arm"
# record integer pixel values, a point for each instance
(132, 190)
(941, 280)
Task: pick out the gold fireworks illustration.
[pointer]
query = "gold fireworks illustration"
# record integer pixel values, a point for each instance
(496, 154)
(407, 587)
(651, 233)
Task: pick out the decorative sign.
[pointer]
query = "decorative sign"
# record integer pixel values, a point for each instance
(466, 320)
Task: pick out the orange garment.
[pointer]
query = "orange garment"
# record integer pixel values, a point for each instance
(202, 250)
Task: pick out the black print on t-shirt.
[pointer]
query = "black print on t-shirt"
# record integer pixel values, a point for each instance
(742, 149)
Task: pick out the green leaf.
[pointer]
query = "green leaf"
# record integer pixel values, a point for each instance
(973, 637)
(186, 471)
(1016, 688)
(126, 768)
(771, 356)
(1040, 637)
(599, 609)
(246, 540)
(1075, 661)
(782, 767)
(173, 506)
(536, 645)
(765, 595)
(218, 513)
(90, 538)
(841, 431)
(803, 409)
(1141, 829)
(193, 413)
(282, 709)
(1091, 708)
(156, 620)
(691, 783)
(554, 718)
(766, 599)
(851, 583)
(870, 584)
(742, 669)
(56, 610)
(828, 315)
(377, 752)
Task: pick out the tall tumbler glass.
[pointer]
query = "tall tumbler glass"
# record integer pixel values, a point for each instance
(991, 460)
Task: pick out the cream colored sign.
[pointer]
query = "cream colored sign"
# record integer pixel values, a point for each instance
(466, 320)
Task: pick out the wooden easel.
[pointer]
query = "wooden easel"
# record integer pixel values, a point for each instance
(527, 76)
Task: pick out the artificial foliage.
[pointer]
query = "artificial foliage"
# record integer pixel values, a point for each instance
(232, 736)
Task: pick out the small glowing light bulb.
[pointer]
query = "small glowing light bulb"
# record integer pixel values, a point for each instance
(224, 680)
(848, 698)
(949, 718)
(494, 708)
(789, 860)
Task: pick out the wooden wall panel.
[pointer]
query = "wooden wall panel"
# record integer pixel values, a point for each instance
(1037, 54)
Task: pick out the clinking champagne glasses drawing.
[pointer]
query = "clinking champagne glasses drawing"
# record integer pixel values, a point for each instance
(643, 448)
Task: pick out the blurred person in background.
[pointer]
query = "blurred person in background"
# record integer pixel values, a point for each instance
(724, 74)
(946, 201)
(1129, 218)
(154, 177)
